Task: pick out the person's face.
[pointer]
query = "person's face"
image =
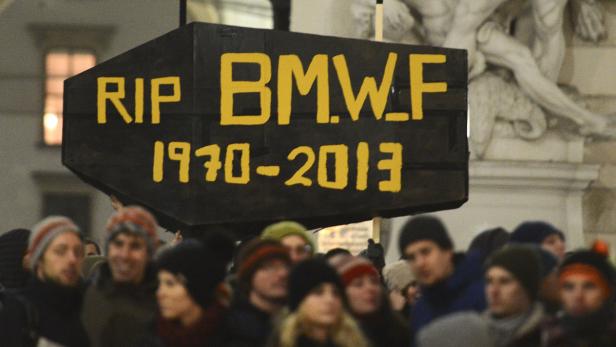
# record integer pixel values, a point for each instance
(505, 295)
(579, 295)
(270, 280)
(61, 262)
(412, 293)
(128, 258)
(429, 262)
(364, 294)
(174, 301)
(298, 248)
(555, 245)
(322, 307)
(91, 250)
(549, 290)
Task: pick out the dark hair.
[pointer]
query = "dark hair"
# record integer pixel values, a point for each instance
(88, 241)
(335, 251)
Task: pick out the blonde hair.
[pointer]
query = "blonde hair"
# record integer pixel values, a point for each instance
(345, 333)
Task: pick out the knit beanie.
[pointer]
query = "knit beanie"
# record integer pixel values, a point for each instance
(424, 228)
(280, 230)
(523, 262)
(13, 247)
(592, 264)
(350, 267)
(489, 241)
(44, 232)
(454, 330)
(398, 275)
(253, 255)
(133, 220)
(307, 276)
(533, 232)
(196, 267)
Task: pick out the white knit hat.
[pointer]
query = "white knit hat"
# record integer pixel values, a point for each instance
(398, 275)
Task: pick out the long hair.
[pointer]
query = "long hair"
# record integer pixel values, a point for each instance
(345, 333)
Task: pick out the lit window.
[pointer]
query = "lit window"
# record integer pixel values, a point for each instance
(60, 64)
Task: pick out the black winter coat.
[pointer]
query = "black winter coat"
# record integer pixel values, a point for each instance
(246, 325)
(42, 311)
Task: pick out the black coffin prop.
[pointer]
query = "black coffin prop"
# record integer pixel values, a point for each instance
(112, 140)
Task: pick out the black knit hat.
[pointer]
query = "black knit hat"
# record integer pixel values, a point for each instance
(533, 232)
(13, 247)
(307, 276)
(201, 269)
(253, 255)
(424, 228)
(489, 241)
(523, 262)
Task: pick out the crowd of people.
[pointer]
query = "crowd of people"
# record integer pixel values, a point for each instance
(518, 288)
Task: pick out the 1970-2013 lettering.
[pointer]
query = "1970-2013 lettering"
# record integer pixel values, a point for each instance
(182, 153)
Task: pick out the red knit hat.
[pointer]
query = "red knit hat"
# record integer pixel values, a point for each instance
(136, 220)
(351, 267)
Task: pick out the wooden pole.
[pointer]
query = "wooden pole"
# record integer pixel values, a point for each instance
(378, 21)
(378, 36)
(183, 12)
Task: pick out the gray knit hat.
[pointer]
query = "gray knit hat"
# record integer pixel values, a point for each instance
(46, 231)
(457, 329)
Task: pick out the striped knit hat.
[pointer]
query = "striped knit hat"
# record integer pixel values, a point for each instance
(350, 267)
(133, 220)
(44, 232)
(253, 255)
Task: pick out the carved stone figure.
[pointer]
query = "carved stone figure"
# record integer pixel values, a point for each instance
(533, 57)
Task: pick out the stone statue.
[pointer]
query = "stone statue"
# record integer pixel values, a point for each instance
(532, 58)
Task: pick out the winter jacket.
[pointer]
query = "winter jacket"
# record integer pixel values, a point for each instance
(385, 328)
(43, 311)
(304, 341)
(595, 329)
(246, 325)
(207, 332)
(473, 329)
(462, 291)
(118, 315)
(527, 334)
(13, 246)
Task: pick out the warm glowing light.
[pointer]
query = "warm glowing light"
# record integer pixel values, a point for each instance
(50, 120)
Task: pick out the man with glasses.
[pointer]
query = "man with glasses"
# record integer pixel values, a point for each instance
(294, 237)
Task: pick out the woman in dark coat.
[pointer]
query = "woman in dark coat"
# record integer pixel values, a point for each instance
(190, 314)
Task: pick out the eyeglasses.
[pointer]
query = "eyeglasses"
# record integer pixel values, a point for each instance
(300, 249)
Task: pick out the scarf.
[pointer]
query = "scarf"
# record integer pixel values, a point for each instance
(502, 330)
